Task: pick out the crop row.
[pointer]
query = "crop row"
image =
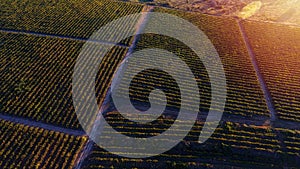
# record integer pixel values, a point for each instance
(231, 144)
(68, 18)
(244, 95)
(291, 140)
(277, 51)
(237, 133)
(29, 147)
(36, 78)
(157, 79)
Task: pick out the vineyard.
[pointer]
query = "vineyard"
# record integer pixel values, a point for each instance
(63, 18)
(30, 147)
(244, 97)
(232, 144)
(36, 78)
(280, 68)
(40, 43)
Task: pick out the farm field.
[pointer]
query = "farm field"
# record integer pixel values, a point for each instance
(78, 19)
(244, 96)
(36, 78)
(30, 147)
(232, 144)
(277, 55)
(40, 42)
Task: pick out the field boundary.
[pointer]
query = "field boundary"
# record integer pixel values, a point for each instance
(89, 145)
(264, 88)
(260, 77)
(59, 37)
(31, 123)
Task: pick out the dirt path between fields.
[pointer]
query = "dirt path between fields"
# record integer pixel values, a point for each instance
(89, 145)
(59, 37)
(261, 80)
(32, 123)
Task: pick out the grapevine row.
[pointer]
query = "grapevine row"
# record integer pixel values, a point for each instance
(30, 147)
(37, 78)
(67, 18)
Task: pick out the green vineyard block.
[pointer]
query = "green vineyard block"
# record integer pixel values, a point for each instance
(77, 19)
(244, 95)
(36, 78)
(277, 51)
(29, 147)
(232, 144)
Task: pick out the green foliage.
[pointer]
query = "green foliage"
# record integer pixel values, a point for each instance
(38, 85)
(28, 147)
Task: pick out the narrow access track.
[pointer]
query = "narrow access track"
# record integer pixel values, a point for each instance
(89, 145)
(260, 77)
(59, 37)
(33, 123)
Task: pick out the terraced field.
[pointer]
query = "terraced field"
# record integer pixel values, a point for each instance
(278, 58)
(31, 147)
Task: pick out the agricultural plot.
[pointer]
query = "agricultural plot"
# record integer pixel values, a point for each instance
(41, 41)
(28, 147)
(63, 18)
(291, 142)
(277, 51)
(244, 96)
(232, 144)
(36, 77)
